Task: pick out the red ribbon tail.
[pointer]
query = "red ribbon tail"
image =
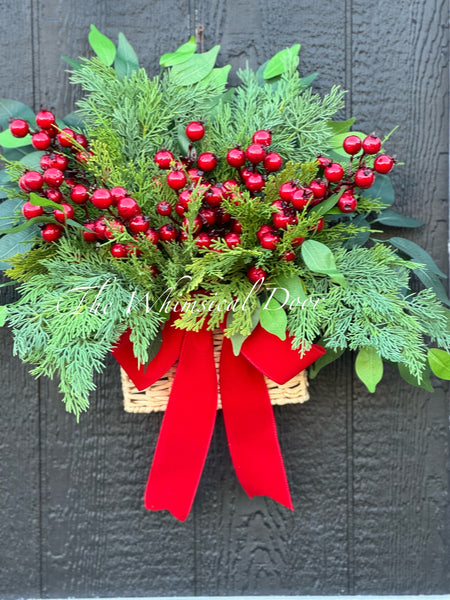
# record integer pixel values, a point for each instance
(186, 429)
(251, 428)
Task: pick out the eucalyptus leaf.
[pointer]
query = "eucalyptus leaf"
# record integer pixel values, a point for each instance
(430, 280)
(217, 77)
(74, 121)
(7, 140)
(362, 236)
(181, 55)
(369, 367)
(439, 361)
(307, 81)
(195, 68)
(3, 314)
(32, 160)
(412, 380)
(14, 154)
(382, 189)
(319, 259)
(338, 127)
(393, 219)
(273, 318)
(126, 61)
(11, 245)
(282, 60)
(154, 348)
(326, 205)
(12, 109)
(75, 64)
(417, 253)
(324, 360)
(103, 47)
(294, 287)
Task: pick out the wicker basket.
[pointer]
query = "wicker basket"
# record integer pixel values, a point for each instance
(155, 397)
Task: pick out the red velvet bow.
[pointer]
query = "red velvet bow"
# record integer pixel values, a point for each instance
(188, 422)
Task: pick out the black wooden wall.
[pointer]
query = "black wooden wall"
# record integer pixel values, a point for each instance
(369, 473)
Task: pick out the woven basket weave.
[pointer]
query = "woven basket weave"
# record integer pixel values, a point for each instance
(155, 397)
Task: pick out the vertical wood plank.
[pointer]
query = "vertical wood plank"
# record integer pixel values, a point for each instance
(19, 420)
(258, 547)
(400, 77)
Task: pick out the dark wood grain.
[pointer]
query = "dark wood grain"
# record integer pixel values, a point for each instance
(401, 526)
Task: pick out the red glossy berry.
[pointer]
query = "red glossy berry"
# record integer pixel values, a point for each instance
(101, 198)
(255, 274)
(383, 164)
(153, 270)
(163, 158)
(298, 241)
(59, 161)
(117, 193)
(138, 224)
(334, 173)
(324, 162)
(19, 128)
(281, 220)
(272, 162)
(347, 203)
(236, 227)
(180, 209)
(53, 177)
(196, 224)
(176, 180)
(364, 178)
(318, 188)
(232, 240)
(194, 175)
(168, 233)
(89, 236)
(318, 227)
(269, 240)
(113, 227)
(32, 181)
(41, 140)
(46, 161)
(262, 230)
(100, 227)
(203, 240)
(208, 216)
(286, 190)
(65, 137)
(119, 250)
(229, 187)
(51, 232)
(288, 255)
(70, 182)
(79, 194)
(65, 212)
(262, 137)
(54, 195)
(255, 153)
(30, 211)
(207, 161)
(255, 182)
(81, 140)
(45, 119)
(83, 157)
(371, 144)
(184, 198)
(352, 144)
(300, 198)
(195, 131)
(128, 208)
(214, 196)
(153, 236)
(245, 173)
(164, 208)
(236, 157)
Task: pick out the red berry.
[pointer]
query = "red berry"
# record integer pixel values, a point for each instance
(383, 164)
(255, 153)
(176, 180)
(352, 144)
(281, 220)
(59, 161)
(66, 212)
(229, 187)
(300, 199)
(153, 236)
(30, 211)
(19, 128)
(196, 224)
(318, 227)
(46, 161)
(245, 173)
(32, 181)
(164, 208)
(119, 250)
(163, 158)
(318, 188)
(45, 119)
(255, 182)
(236, 227)
(364, 178)
(65, 137)
(334, 173)
(100, 227)
(54, 195)
(41, 140)
(323, 162)
(51, 232)
(214, 196)
(81, 140)
(128, 208)
(269, 240)
(262, 137)
(70, 182)
(184, 198)
(112, 228)
(236, 157)
(101, 198)
(208, 216)
(168, 233)
(298, 241)
(262, 230)
(255, 274)
(117, 193)
(272, 162)
(207, 161)
(180, 209)
(90, 236)
(203, 240)
(53, 177)
(79, 193)
(194, 175)
(138, 224)
(153, 270)
(195, 131)
(288, 255)
(371, 144)
(232, 240)
(286, 190)
(83, 157)
(347, 203)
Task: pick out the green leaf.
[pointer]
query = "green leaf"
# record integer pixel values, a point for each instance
(36, 200)
(294, 287)
(103, 47)
(362, 236)
(430, 280)
(218, 77)
(319, 259)
(393, 219)
(337, 140)
(14, 154)
(369, 367)
(32, 160)
(326, 359)
(382, 188)
(417, 253)
(11, 109)
(181, 55)
(195, 68)
(412, 380)
(14, 244)
(3, 313)
(439, 361)
(75, 64)
(183, 139)
(237, 339)
(279, 63)
(273, 318)
(25, 224)
(126, 60)
(5, 177)
(154, 348)
(8, 208)
(328, 204)
(338, 127)
(74, 121)
(7, 140)
(307, 81)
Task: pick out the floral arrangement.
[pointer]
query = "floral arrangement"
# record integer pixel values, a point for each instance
(175, 204)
